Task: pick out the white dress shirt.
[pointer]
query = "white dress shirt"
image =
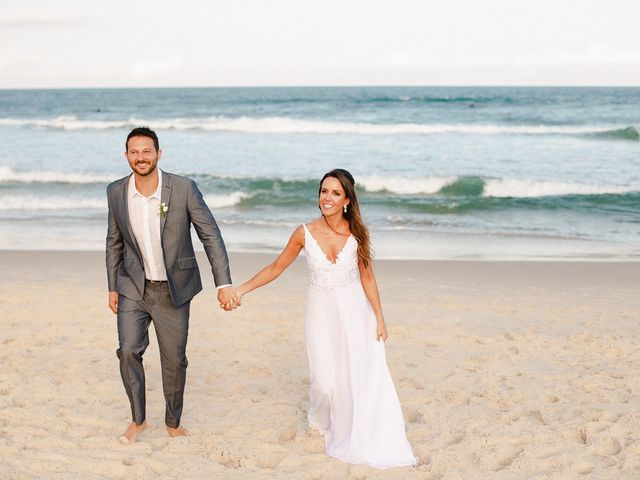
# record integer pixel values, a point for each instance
(144, 215)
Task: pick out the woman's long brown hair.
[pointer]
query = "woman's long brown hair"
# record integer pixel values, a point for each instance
(356, 225)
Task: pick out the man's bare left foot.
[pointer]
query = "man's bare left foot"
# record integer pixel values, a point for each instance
(177, 432)
(132, 432)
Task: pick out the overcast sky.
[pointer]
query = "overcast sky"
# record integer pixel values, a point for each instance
(118, 43)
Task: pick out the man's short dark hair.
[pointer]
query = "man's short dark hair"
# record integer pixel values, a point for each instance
(143, 132)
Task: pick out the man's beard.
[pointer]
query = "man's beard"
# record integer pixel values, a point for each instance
(151, 170)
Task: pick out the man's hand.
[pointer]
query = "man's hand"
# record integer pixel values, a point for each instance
(113, 301)
(228, 298)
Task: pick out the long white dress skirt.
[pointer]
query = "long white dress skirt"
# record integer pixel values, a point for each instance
(353, 401)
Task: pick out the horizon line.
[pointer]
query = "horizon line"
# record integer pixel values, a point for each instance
(316, 86)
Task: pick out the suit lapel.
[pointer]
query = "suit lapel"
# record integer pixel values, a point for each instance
(124, 196)
(165, 196)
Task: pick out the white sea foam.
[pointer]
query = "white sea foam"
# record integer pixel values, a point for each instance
(222, 201)
(405, 185)
(492, 187)
(524, 189)
(32, 202)
(283, 125)
(258, 223)
(58, 202)
(65, 122)
(7, 174)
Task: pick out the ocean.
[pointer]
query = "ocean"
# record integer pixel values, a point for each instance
(442, 172)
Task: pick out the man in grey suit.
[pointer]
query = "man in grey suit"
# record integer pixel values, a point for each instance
(153, 274)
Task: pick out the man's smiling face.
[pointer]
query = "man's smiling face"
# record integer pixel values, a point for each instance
(142, 155)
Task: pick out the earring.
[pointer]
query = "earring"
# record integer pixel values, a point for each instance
(345, 209)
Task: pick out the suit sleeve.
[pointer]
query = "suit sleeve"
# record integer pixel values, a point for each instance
(209, 234)
(114, 247)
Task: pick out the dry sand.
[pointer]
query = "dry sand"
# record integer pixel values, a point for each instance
(505, 370)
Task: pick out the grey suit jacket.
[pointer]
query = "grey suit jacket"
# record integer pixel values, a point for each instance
(125, 270)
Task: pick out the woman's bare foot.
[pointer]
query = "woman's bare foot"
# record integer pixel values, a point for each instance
(177, 432)
(131, 433)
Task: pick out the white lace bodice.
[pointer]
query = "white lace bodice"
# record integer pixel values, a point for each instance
(326, 275)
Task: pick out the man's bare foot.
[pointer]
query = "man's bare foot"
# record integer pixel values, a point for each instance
(131, 433)
(177, 432)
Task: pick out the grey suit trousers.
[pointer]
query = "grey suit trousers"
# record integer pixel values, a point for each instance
(171, 326)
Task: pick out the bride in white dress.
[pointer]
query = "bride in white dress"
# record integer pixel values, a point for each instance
(352, 399)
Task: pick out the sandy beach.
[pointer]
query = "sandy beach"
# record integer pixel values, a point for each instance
(505, 370)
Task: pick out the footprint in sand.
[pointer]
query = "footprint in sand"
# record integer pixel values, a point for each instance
(612, 417)
(499, 459)
(582, 467)
(156, 466)
(453, 439)
(159, 443)
(634, 449)
(632, 465)
(582, 435)
(545, 453)
(414, 416)
(456, 399)
(6, 390)
(269, 461)
(536, 417)
(226, 458)
(314, 444)
(606, 447)
(287, 435)
(609, 461)
(257, 371)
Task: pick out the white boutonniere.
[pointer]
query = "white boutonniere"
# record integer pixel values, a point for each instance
(164, 208)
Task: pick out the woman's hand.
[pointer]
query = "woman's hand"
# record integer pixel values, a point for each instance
(381, 331)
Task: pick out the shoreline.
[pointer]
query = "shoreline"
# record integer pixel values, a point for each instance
(595, 269)
(89, 265)
(387, 244)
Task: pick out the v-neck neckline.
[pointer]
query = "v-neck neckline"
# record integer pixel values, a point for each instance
(323, 252)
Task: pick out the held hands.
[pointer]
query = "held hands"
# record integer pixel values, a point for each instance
(229, 299)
